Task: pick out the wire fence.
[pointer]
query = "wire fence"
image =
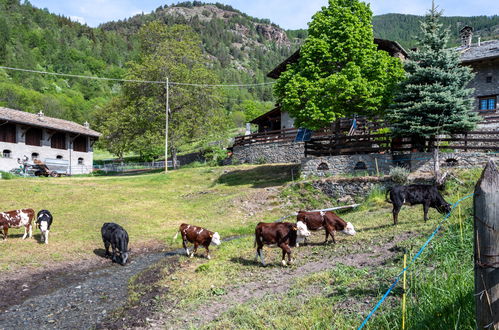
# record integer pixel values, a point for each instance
(413, 260)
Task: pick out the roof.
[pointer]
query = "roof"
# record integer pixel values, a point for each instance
(27, 118)
(392, 47)
(486, 51)
(276, 112)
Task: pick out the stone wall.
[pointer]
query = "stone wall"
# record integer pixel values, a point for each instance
(366, 164)
(483, 86)
(269, 153)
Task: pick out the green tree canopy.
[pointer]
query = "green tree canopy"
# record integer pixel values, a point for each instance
(340, 71)
(136, 121)
(434, 99)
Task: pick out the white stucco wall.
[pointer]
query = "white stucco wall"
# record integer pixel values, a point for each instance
(286, 120)
(45, 151)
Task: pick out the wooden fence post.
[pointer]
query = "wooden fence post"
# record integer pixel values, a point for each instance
(486, 248)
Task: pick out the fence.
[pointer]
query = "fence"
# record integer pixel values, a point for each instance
(334, 145)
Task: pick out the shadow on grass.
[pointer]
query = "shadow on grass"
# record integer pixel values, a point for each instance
(375, 228)
(261, 176)
(100, 253)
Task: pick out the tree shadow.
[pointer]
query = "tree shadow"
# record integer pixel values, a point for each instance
(261, 176)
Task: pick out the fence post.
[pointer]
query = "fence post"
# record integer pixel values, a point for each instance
(486, 248)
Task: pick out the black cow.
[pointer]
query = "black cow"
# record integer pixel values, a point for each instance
(413, 194)
(44, 221)
(115, 235)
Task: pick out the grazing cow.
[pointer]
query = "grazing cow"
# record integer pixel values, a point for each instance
(115, 235)
(328, 221)
(44, 221)
(197, 236)
(281, 234)
(413, 194)
(17, 219)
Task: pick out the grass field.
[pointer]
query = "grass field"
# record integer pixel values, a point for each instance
(332, 286)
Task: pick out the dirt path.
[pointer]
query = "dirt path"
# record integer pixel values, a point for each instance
(76, 298)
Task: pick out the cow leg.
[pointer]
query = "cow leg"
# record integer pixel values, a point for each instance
(195, 249)
(106, 246)
(285, 250)
(184, 244)
(426, 207)
(46, 237)
(259, 252)
(25, 231)
(207, 252)
(396, 210)
(30, 230)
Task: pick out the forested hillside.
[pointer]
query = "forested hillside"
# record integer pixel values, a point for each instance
(404, 28)
(238, 48)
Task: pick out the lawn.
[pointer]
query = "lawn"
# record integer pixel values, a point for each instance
(149, 206)
(333, 286)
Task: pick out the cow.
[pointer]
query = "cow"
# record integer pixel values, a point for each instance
(280, 234)
(328, 221)
(17, 219)
(44, 221)
(414, 194)
(197, 236)
(116, 236)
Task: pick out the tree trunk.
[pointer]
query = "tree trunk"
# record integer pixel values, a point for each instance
(486, 248)
(174, 158)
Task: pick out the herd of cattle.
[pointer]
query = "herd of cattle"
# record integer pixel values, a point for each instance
(280, 234)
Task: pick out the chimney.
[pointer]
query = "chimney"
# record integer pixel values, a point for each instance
(40, 115)
(479, 41)
(86, 124)
(466, 35)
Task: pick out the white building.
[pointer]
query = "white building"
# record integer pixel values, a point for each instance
(37, 136)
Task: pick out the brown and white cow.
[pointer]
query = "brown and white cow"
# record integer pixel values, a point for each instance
(197, 236)
(328, 221)
(17, 219)
(280, 234)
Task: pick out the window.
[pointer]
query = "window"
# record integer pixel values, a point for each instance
(58, 157)
(360, 166)
(7, 154)
(80, 144)
(34, 156)
(58, 141)
(488, 79)
(323, 167)
(80, 161)
(34, 137)
(8, 133)
(487, 103)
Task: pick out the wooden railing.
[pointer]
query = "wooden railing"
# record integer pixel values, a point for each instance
(288, 134)
(379, 143)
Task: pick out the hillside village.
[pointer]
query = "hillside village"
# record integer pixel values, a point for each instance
(197, 121)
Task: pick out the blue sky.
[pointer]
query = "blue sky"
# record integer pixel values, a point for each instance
(289, 14)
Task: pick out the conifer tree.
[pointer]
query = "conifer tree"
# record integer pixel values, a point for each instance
(434, 99)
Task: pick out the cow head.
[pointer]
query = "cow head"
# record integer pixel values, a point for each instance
(349, 229)
(444, 208)
(302, 230)
(124, 258)
(215, 239)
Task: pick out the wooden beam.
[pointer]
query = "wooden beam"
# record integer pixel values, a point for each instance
(486, 248)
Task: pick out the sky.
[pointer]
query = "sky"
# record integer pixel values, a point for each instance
(289, 14)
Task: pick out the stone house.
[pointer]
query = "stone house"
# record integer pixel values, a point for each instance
(36, 136)
(483, 58)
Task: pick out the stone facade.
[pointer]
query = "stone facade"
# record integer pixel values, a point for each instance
(366, 164)
(81, 162)
(486, 81)
(270, 153)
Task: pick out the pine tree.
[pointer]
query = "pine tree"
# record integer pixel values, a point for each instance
(434, 99)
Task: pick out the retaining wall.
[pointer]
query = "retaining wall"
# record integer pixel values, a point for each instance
(269, 153)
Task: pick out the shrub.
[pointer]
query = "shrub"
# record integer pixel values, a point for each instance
(260, 160)
(399, 175)
(215, 155)
(6, 175)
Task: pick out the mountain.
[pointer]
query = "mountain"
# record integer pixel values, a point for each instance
(240, 48)
(404, 28)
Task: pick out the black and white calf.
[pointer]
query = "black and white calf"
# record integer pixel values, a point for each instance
(114, 235)
(44, 221)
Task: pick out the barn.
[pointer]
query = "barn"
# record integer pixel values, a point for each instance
(36, 136)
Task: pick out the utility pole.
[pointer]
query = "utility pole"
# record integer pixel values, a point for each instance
(166, 125)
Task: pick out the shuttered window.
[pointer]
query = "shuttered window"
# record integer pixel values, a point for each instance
(34, 137)
(8, 133)
(80, 144)
(58, 141)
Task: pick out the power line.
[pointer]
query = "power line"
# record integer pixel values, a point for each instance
(134, 80)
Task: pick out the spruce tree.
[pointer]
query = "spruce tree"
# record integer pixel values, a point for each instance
(434, 99)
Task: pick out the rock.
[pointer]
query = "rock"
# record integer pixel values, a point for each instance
(346, 200)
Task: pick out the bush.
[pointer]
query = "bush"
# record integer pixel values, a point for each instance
(399, 175)
(6, 175)
(260, 160)
(215, 155)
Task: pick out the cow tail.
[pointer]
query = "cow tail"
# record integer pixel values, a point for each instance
(176, 235)
(387, 196)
